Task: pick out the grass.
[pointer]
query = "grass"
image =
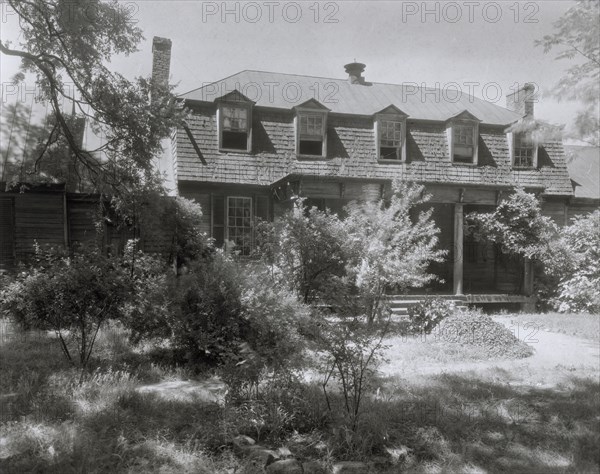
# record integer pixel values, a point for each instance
(491, 420)
(582, 325)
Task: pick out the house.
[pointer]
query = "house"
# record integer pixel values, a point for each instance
(255, 139)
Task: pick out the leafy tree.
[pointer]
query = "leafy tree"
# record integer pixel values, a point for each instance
(575, 260)
(390, 246)
(577, 36)
(65, 47)
(517, 225)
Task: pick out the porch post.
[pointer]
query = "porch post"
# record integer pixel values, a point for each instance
(458, 249)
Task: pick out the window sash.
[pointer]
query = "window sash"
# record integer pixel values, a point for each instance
(390, 135)
(463, 135)
(311, 127)
(239, 223)
(235, 119)
(524, 150)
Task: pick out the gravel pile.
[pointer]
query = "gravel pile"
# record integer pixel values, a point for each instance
(477, 329)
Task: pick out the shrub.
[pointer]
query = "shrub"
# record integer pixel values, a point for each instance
(427, 314)
(204, 323)
(349, 350)
(272, 342)
(71, 296)
(304, 248)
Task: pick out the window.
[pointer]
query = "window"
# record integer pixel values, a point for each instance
(463, 143)
(390, 140)
(311, 134)
(233, 218)
(239, 223)
(234, 127)
(523, 150)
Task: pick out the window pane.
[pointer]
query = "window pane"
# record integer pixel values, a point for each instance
(463, 135)
(311, 147)
(235, 118)
(523, 149)
(391, 134)
(311, 125)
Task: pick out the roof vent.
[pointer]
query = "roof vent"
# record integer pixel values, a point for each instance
(354, 71)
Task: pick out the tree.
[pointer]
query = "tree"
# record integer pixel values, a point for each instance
(578, 36)
(517, 225)
(575, 260)
(305, 249)
(65, 46)
(391, 245)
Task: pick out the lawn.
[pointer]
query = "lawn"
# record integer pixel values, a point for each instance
(582, 325)
(490, 418)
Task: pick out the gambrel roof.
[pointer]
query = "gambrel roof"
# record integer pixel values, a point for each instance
(285, 91)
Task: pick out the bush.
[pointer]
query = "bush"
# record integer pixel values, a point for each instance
(580, 276)
(427, 314)
(304, 248)
(71, 296)
(272, 342)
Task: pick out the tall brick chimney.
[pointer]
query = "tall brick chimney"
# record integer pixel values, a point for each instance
(522, 100)
(161, 60)
(354, 71)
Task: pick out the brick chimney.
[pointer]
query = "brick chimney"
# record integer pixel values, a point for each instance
(161, 60)
(354, 71)
(522, 100)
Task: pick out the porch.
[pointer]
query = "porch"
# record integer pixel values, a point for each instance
(399, 304)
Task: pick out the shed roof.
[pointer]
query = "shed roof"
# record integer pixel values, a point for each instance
(285, 91)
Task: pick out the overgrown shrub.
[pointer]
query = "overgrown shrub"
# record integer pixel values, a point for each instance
(272, 343)
(425, 315)
(304, 249)
(73, 296)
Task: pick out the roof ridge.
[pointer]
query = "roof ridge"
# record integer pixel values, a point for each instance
(333, 79)
(214, 82)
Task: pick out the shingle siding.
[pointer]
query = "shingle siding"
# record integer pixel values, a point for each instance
(351, 150)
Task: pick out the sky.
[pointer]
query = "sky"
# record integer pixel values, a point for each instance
(484, 47)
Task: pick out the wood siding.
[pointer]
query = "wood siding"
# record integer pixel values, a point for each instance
(7, 243)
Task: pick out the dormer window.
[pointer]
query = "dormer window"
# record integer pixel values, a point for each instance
(311, 134)
(464, 143)
(524, 150)
(234, 125)
(311, 129)
(390, 140)
(234, 118)
(463, 137)
(390, 132)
